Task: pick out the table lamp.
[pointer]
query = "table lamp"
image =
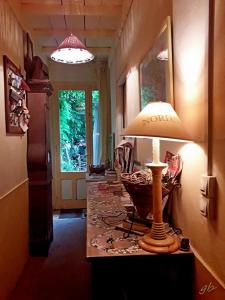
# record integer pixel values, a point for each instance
(157, 121)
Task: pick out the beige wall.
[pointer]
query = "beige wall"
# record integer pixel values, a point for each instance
(191, 97)
(13, 237)
(13, 148)
(190, 36)
(190, 51)
(13, 170)
(141, 28)
(73, 73)
(217, 227)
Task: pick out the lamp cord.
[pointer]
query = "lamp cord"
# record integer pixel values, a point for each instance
(127, 234)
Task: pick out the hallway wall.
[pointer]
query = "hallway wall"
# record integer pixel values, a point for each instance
(190, 22)
(13, 237)
(194, 91)
(13, 170)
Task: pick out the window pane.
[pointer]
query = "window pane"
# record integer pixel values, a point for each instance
(96, 127)
(72, 118)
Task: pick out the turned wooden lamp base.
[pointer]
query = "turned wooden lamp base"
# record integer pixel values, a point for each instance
(166, 245)
(158, 240)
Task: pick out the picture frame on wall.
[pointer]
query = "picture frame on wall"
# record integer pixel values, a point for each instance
(28, 53)
(30, 49)
(156, 69)
(16, 113)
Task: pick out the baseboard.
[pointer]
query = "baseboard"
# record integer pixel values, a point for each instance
(208, 285)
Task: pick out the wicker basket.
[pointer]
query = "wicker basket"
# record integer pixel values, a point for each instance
(141, 196)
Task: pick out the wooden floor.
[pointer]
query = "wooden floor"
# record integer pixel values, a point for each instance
(64, 274)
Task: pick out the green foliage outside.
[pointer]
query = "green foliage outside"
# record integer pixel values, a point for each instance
(72, 116)
(95, 103)
(72, 131)
(146, 96)
(96, 140)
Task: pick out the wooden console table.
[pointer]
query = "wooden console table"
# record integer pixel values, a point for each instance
(120, 269)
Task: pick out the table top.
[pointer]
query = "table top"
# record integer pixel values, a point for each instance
(107, 207)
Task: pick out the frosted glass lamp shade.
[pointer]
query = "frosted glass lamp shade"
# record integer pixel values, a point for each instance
(72, 51)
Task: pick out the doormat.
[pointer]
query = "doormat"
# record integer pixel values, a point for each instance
(78, 213)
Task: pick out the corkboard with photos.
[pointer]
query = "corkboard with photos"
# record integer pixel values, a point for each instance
(16, 112)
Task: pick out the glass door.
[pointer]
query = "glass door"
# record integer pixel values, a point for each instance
(77, 144)
(73, 131)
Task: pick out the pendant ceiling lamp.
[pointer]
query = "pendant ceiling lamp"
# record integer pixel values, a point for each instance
(72, 51)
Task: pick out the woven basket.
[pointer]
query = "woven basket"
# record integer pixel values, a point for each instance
(141, 196)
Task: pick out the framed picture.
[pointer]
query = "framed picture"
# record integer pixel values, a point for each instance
(16, 112)
(24, 44)
(28, 54)
(156, 72)
(28, 50)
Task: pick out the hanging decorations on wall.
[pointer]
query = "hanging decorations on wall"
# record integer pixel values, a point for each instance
(17, 114)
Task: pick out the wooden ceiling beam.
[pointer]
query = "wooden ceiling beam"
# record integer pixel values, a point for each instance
(94, 50)
(71, 9)
(95, 33)
(125, 11)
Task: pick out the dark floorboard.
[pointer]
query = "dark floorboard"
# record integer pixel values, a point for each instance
(64, 274)
(72, 213)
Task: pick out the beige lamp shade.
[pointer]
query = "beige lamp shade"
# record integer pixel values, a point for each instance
(72, 51)
(157, 119)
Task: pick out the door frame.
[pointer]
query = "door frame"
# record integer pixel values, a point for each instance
(58, 176)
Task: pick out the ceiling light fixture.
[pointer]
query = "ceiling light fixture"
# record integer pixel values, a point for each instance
(72, 51)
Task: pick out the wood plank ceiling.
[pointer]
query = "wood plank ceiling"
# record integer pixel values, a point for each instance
(97, 23)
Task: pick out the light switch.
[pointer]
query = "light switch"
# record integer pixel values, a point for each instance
(208, 186)
(204, 206)
(203, 185)
(208, 193)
